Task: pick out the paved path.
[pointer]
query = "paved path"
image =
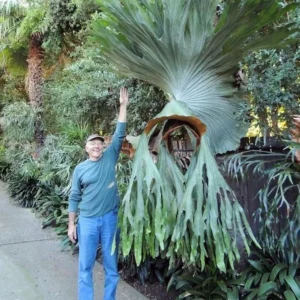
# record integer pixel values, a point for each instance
(32, 267)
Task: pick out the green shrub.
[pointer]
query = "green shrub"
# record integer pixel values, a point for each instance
(209, 284)
(52, 204)
(57, 160)
(269, 278)
(23, 189)
(18, 122)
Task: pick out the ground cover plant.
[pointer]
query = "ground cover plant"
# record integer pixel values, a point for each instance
(271, 272)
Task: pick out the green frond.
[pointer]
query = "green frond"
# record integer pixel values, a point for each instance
(11, 13)
(8, 7)
(192, 217)
(31, 23)
(13, 61)
(173, 45)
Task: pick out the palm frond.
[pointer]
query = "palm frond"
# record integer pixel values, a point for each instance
(10, 6)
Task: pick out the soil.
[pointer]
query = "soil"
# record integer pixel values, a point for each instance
(155, 291)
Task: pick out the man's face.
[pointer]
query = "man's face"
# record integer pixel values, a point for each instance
(94, 149)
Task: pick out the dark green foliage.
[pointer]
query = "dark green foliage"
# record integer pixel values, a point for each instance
(59, 26)
(274, 270)
(4, 165)
(52, 203)
(264, 278)
(57, 160)
(88, 91)
(4, 170)
(149, 271)
(273, 80)
(270, 278)
(146, 101)
(68, 16)
(18, 122)
(275, 88)
(12, 89)
(23, 190)
(210, 284)
(275, 206)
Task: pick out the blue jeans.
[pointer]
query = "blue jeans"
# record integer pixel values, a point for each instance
(91, 232)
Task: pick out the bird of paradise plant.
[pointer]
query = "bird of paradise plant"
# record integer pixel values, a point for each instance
(179, 47)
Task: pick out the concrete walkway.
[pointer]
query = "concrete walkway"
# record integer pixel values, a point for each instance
(32, 267)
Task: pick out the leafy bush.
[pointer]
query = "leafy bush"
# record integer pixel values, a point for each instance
(23, 189)
(22, 173)
(52, 204)
(274, 86)
(209, 284)
(18, 122)
(4, 165)
(75, 133)
(270, 278)
(87, 92)
(57, 160)
(275, 205)
(274, 270)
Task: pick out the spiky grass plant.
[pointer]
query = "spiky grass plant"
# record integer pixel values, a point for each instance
(17, 122)
(177, 46)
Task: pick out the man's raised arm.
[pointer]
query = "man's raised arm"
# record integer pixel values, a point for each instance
(120, 131)
(123, 105)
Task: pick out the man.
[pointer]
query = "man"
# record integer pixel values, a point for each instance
(94, 191)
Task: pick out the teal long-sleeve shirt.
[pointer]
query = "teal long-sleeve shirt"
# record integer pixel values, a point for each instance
(94, 185)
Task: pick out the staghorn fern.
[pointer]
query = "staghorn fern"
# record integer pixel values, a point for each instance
(175, 46)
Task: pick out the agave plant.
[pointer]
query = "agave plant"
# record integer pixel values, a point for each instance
(179, 47)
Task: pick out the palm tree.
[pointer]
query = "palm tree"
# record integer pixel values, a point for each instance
(12, 16)
(177, 46)
(24, 27)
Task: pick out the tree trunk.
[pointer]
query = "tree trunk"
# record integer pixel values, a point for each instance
(274, 118)
(35, 83)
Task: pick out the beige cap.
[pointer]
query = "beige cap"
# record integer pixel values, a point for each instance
(94, 137)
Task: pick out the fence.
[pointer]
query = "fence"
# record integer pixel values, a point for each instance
(246, 190)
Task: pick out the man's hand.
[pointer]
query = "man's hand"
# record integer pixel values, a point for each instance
(72, 234)
(123, 97)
